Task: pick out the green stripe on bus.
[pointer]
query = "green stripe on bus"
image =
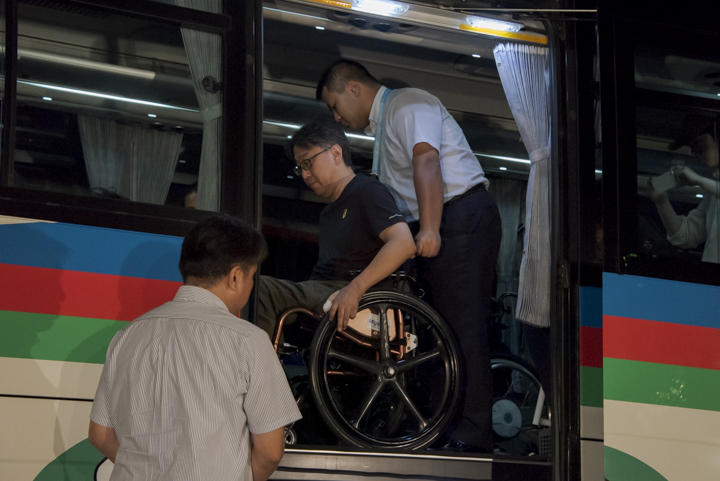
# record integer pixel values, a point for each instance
(620, 466)
(661, 384)
(77, 463)
(56, 338)
(591, 386)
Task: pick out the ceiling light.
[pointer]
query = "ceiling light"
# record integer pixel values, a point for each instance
(152, 115)
(499, 157)
(503, 168)
(492, 24)
(476, 55)
(104, 96)
(699, 196)
(418, 14)
(381, 7)
(332, 3)
(319, 27)
(47, 98)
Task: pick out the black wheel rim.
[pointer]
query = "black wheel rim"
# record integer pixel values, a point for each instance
(515, 383)
(372, 398)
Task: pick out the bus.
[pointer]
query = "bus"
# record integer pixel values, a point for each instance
(126, 122)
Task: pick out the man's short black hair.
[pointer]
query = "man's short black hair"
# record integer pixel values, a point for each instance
(322, 132)
(337, 75)
(217, 244)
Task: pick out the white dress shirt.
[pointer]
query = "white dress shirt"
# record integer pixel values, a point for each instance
(413, 116)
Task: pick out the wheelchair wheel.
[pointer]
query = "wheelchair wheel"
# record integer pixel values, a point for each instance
(396, 388)
(516, 400)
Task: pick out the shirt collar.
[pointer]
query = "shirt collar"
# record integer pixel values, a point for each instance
(198, 294)
(372, 126)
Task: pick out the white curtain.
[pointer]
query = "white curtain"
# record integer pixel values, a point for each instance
(525, 78)
(204, 53)
(132, 161)
(104, 144)
(154, 157)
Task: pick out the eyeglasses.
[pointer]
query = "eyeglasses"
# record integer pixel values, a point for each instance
(307, 163)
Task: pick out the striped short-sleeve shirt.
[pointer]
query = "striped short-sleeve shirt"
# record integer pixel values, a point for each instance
(184, 386)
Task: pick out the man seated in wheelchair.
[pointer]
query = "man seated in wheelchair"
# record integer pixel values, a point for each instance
(361, 230)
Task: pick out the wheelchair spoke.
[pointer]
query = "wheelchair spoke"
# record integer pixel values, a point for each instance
(412, 362)
(384, 335)
(368, 401)
(400, 391)
(363, 364)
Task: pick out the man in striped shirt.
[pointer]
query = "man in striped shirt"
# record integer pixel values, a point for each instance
(188, 390)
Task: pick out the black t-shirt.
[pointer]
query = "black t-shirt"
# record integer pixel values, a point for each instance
(350, 226)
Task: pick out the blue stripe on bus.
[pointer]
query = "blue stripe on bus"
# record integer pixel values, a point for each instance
(661, 300)
(91, 249)
(591, 308)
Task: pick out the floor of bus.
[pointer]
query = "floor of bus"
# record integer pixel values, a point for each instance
(344, 465)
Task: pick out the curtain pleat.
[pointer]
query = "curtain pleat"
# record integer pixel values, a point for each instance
(105, 145)
(154, 157)
(205, 58)
(524, 72)
(132, 161)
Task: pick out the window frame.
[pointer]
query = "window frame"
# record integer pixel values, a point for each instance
(240, 28)
(620, 98)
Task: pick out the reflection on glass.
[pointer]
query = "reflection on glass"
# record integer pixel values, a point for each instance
(682, 184)
(117, 107)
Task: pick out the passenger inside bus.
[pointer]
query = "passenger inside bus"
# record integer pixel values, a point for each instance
(700, 225)
(360, 230)
(422, 155)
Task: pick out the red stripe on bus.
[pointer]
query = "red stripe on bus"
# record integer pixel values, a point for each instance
(591, 346)
(661, 342)
(80, 294)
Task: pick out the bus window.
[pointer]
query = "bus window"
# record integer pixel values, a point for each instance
(677, 153)
(677, 183)
(112, 106)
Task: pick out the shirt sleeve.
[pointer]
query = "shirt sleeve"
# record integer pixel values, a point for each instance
(417, 118)
(269, 403)
(379, 208)
(693, 231)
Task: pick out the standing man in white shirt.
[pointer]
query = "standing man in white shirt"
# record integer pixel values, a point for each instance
(189, 391)
(422, 155)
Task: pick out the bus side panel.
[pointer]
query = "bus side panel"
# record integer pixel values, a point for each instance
(66, 290)
(661, 379)
(591, 388)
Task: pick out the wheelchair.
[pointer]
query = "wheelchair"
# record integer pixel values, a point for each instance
(391, 379)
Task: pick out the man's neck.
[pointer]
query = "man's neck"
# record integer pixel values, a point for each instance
(341, 184)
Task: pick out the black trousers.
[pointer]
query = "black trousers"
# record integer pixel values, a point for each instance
(459, 284)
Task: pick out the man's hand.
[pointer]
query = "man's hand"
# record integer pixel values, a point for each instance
(686, 176)
(427, 243)
(653, 194)
(345, 305)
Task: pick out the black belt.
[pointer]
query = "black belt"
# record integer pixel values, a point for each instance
(474, 188)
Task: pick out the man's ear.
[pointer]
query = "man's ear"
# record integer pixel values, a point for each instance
(235, 278)
(355, 87)
(337, 154)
